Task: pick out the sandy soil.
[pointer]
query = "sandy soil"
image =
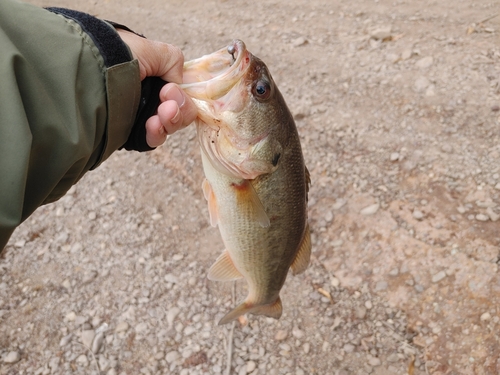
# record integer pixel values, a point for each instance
(397, 104)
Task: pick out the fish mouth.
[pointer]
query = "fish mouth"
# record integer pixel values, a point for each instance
(212, 76)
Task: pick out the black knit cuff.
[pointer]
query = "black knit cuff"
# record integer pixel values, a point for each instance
(113, 49)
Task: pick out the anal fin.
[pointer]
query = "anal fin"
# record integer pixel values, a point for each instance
(212, 202)
(273, 310)
(223, 269)
(303, 256)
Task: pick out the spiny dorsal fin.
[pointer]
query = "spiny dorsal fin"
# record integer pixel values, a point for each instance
(308, 182)
(223, 269)
(303, 256)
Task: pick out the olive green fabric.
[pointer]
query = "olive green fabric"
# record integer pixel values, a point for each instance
(62, 112)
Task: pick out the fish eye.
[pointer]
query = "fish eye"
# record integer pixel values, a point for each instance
(261, 90)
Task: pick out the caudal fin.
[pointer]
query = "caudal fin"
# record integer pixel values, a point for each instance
(272, 310)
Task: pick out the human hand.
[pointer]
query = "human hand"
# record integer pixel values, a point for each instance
(156, 59)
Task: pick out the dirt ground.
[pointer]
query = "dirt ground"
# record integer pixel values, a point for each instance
(398, 108)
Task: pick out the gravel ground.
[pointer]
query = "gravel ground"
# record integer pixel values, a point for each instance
(397, 104)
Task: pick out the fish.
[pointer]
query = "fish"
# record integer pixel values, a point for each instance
(256, 182)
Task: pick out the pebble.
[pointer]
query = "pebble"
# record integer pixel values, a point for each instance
(297, 333)
(492, 214)
(417, 214)
(172, 356)
(360, 312)
(381, 285)
(157, 217)
(374, 361)
(281, 335)
(88, 338)
(421, 83)
(368, 305)
(395, 156)
(97, 343)
(83, 360)
(172, 313)
(438, 276)
(482, 217)
(348, 348)
(339, 203)
(121, 327)
(306, 347)
(486, 316)
(381, 33)
(66, 339)
(251, 365)
(141, 328)
(300, 41)
(12, 357)
(370, 210)
(406, 54)
(424, 62)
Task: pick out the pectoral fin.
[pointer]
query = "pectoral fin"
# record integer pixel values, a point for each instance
(260, 212)
(212, 203)
(223, 269)
(302, 258)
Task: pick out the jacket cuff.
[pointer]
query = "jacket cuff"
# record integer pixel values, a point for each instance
(113, 49)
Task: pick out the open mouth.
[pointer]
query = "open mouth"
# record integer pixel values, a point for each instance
(212, 76)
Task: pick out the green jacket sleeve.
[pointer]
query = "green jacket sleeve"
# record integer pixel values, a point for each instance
(66, 103)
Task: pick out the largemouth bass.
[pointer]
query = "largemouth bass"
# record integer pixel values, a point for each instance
(256, 181)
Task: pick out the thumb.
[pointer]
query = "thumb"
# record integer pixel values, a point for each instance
(155, 58)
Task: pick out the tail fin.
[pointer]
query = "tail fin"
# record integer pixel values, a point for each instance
(272, 310)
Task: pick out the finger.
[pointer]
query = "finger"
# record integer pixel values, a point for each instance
(155, 132)
(165, 61)
(188, 109)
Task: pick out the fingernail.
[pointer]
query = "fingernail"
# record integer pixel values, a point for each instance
(162, 130)
(177, 117)
(175, 94)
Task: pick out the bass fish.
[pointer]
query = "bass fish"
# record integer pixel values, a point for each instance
(256, 181)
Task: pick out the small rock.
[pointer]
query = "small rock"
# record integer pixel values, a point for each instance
(360, 312)
(482, 217)
(70, 316)
(88, 338)
(438, 276)
(121, 327)
(395, 156)
(335, 282)
(417, 214)
(381, 285)
(251, 365)
(393, 358)
(83, 360)
(497, 186)
(12, 357)
(141, 328)
(381, 33)
(281, 335)
(421, 83)
(370, 210)
(374, 361)
(348, 348)
(300, 41)
(97, 343)
(169, 278)
(406, 54)
(424, 62)
(297, 333)
(157, 217)
(339, 203)
(492, 214)
(368, 305)
(306, 347)
(172, 356)
(394, 272)
(65, 340)
(486, 316)
(172, 313)
(495, 108)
